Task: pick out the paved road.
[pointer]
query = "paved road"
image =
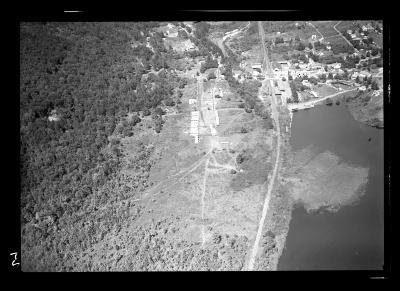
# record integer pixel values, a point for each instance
(275, 115)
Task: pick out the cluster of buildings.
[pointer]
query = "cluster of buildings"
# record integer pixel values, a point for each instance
(194, 122)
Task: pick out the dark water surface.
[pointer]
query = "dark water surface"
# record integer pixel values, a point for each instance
(351, 238)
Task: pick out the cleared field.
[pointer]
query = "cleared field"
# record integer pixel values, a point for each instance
(345, 25)
(325, 90)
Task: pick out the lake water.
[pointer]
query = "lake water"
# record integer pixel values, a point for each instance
(351, 238)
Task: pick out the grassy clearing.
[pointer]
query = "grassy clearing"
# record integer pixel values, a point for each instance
(324, 90)
(325, 27)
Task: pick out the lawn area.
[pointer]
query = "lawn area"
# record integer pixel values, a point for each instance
(326, 28)
(345, 25)
(324, 90)
(377, 38)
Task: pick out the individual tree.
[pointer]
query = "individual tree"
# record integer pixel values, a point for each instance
(146, 112)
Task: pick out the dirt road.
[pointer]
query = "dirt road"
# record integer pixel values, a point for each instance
(312, 102)
(349, 43)
(275, 115)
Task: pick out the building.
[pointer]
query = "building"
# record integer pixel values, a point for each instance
(315, 94)
(54, 116)
(306, 83)
(236, 74)
(192, 101)
(277, 91)
(304, 66)
(354, 75)
(280, 85)
(366, 74)
(362, 88)
(256, 67)
(284, 65)
(349, 31)
(314, 37)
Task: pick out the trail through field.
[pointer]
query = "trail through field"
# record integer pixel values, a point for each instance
(202, 201)
(275, 115)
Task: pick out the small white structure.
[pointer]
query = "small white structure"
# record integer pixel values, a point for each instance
(362, 88)
(53, 116)
(354, 75)
(366, 74)
(313, 37)
(315, 94)
(192, 101)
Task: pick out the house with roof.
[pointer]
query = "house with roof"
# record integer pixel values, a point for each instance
(54, 116)
(354, 75)
(366, 74)
(285, 65)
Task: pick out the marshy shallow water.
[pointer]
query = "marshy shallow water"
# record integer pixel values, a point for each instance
(351, 237)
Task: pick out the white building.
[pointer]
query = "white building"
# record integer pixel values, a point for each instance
(366, 74)
(53, 116)
(354, 75)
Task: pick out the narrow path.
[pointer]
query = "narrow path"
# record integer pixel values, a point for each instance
(334, 27)
(316, 29)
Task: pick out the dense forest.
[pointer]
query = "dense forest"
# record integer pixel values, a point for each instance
(87, 77)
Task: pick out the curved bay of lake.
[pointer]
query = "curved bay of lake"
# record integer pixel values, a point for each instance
(352, 237)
